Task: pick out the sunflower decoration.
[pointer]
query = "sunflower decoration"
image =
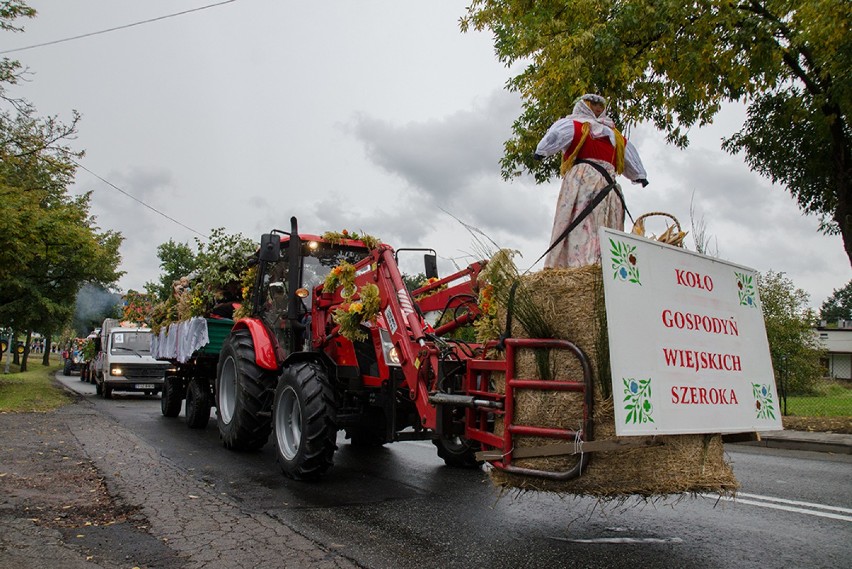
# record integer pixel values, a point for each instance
(364, 309)
(341, 275)
(487, 326)
(429, 293)
(246, 285)
(337, 237)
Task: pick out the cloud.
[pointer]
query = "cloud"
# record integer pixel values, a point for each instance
(440, 157)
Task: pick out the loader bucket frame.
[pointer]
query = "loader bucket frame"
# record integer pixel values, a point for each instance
(478, 419)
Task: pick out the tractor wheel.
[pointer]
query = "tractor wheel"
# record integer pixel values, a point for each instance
(304, 418)
(66, 369)
(197, 404)
(171, 400)
(242, 398)
(457, 452)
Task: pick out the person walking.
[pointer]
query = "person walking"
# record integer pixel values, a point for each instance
(593, 153)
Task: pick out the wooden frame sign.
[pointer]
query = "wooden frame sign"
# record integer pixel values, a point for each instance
(688, 347)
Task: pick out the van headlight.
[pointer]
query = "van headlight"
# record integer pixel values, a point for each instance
(116, 371)
(388, 349)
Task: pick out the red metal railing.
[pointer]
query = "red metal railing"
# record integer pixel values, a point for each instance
(480, 420)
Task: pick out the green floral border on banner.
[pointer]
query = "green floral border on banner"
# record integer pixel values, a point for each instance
(637, 400)
(763, 404)
(624, 262)
(745, 289)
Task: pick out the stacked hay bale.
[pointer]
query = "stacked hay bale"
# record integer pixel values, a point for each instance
(571, 301)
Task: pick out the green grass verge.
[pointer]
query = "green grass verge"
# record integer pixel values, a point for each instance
(835, 400)
(31, 391)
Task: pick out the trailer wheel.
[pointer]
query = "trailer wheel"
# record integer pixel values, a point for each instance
(457, 452)
(171, 400)
(304, 418)
(197, 404)
(242, 398)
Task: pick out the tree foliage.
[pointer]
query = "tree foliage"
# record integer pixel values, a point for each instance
(675, 63)
(793, 346)
(838, 306)
(176, 260)
(52, 245)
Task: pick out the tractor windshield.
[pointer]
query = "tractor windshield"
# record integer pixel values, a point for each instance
(319, 262)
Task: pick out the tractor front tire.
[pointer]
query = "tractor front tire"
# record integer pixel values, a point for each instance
(304, 422)
(243, 400)
(197, 404)
(457, 452)
(171, 400)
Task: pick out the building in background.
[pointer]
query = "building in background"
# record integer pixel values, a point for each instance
(837, 342)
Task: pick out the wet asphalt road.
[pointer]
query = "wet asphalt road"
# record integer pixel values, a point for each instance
(399, 506)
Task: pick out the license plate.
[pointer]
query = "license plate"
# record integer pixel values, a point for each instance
(144, 386)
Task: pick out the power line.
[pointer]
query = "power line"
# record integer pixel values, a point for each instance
(117, 27)
(155, 210)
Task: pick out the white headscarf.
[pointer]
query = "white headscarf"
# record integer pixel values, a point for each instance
(601, 126)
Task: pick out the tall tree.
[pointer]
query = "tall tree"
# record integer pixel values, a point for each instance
(794, 349)
(838, 306)
(51, 243)
(176, 260)
(675, 63)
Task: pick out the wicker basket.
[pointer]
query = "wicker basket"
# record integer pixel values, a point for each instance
(671, 236)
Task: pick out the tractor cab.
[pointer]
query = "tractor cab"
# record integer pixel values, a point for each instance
(289, 267)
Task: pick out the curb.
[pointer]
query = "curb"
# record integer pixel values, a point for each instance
(806, 441)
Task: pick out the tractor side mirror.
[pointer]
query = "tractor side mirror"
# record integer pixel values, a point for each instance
(431, 262)
(270, 247)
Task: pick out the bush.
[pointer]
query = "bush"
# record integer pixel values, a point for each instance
(794, 349)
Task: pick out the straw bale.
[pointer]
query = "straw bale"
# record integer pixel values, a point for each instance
(572, 301)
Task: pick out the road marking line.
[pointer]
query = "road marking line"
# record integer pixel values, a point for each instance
(767, 504)
(795, 503)
(622, 540)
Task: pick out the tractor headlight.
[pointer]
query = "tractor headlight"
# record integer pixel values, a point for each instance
(388, 349)
(116, 371)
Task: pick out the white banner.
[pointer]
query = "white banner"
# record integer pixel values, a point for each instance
(687, 341)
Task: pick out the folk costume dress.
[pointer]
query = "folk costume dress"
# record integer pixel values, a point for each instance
(582, 135)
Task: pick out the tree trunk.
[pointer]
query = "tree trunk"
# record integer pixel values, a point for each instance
(26, 350)
(16, 357)
(843, 161)
(45, 359)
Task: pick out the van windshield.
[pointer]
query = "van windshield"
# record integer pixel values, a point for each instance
(137, 342)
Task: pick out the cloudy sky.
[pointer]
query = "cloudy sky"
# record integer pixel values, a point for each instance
(372, 116)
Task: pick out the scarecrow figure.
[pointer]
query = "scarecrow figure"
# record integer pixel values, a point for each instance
(593, 152)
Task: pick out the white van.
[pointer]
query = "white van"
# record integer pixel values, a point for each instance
(124, 361)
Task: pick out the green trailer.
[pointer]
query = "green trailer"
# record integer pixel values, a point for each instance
(192, 375)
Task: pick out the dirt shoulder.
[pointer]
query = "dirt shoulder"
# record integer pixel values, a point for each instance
(819, 424)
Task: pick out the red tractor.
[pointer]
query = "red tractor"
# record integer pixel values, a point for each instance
(288, 369)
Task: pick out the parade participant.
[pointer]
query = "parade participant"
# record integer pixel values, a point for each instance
(593, 152)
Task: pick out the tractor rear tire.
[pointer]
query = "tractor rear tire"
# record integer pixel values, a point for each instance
(243, 399)
(304, 422)
(171, 400)
(197, 404)
(458, 452)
